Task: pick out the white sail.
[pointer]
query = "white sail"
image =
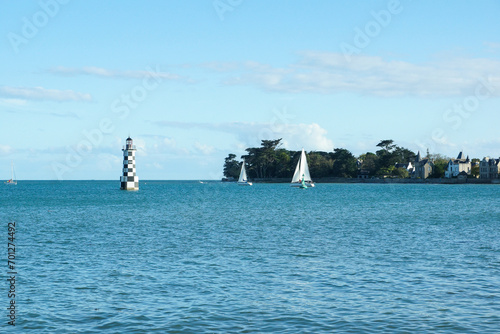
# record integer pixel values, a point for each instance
(243, 173)
(305, 167)
(242, 181)
(302, 172)
(302, 169)
(297, 175)
(13, 179)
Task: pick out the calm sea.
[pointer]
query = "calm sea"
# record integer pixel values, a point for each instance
(190, 257)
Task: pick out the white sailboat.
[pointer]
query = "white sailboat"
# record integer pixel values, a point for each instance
(13, 179)
(301, 178)
(243, 181)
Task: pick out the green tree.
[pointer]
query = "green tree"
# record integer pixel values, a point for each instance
(387, 145)
(252, 159)
(385, 171)
(439, 170)
(283, 163)
(385, 157)
(475, 168)
(440, 164)
(401, 173)
(344, 163)
(369, 162)
(403, 155)
(320, 164)
(231, 166)
(391, 154)
(262, 160)
(268, 153)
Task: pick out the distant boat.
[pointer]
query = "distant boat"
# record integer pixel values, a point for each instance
(243, 181)
(13, 179)
(301, 178)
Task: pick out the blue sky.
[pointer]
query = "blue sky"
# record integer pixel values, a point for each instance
(191, 81)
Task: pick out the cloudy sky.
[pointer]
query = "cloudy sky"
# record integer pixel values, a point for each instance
(191, 81)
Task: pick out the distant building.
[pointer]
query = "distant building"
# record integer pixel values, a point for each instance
(409, 167)
(462, 175)
(458, 165)
(489, 168)
(423, 167)
(363, 174)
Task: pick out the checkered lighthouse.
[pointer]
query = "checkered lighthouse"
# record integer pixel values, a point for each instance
(128, 180)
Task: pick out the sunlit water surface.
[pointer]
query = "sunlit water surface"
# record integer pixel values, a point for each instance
(190, 257)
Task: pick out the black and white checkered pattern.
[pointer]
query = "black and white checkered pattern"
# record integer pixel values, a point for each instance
(129, 180)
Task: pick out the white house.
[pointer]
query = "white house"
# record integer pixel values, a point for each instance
(458, 165)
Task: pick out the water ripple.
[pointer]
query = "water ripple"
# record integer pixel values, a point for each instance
(215, 258)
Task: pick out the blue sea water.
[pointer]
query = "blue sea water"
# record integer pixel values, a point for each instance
(187, 257)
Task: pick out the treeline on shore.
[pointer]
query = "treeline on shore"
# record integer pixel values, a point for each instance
(271, 161)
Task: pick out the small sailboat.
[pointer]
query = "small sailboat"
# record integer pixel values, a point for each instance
(301, 178)
(12, 180)
(243, 181)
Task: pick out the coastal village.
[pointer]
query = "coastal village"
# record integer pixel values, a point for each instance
(460, 168)
(271, 163)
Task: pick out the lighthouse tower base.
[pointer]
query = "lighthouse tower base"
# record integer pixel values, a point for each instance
(129, 185)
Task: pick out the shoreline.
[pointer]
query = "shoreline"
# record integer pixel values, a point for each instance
(383, 181)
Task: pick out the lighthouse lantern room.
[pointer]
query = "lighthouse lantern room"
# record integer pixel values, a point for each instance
(129, 180)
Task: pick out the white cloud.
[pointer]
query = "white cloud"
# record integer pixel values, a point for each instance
(295, 136)
(311, 137)
(40, 93)
(326, 73)
(204, 148)
(13, 102)
(106, 73)
(5, 149)
(158, 144)
(222, 67)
